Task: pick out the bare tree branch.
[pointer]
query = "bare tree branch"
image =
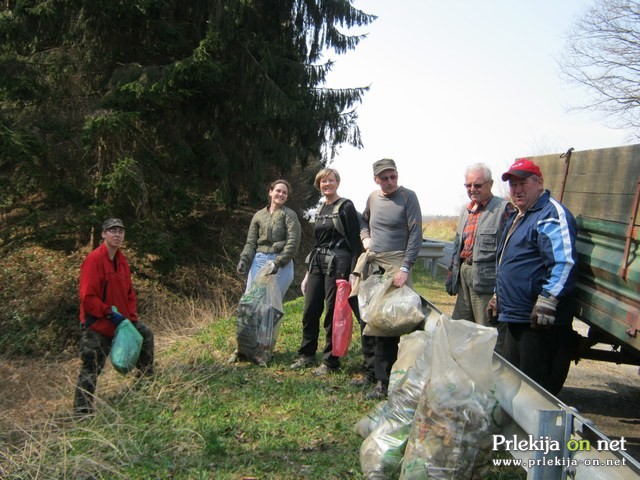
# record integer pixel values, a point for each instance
(603, 54)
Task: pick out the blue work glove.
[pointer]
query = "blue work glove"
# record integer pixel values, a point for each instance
(116, 317)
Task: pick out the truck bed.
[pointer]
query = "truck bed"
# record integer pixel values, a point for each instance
(601, 188)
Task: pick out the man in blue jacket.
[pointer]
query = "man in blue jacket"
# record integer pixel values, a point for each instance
(536, 275)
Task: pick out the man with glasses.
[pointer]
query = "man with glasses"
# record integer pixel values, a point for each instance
(392, 229)
(105, 283)
(472, 273)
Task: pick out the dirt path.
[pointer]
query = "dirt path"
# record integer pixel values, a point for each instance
(609, 396)
(32, 389)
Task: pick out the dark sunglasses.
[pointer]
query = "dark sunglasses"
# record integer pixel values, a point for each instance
(388, 177)
(477, 186)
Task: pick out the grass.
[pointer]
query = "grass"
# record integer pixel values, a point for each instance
(202, 418)
(440, 228)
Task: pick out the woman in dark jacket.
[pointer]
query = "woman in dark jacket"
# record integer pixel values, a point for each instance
(335, 251)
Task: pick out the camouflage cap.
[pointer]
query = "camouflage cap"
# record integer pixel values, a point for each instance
(382, 165)
(112, 222)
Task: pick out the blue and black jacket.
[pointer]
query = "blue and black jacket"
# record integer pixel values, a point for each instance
(539, 259)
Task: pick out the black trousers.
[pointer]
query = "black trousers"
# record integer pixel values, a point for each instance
(380, 353)
(539, 353)
(368, 344)
(321, 293)
(94, 349)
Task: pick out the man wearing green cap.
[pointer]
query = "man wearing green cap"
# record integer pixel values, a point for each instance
(392, 229)
(105, 282)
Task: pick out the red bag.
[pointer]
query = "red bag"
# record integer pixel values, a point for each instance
(342, 320)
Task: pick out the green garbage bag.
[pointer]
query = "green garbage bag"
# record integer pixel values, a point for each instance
(259, 313)
(126, 347)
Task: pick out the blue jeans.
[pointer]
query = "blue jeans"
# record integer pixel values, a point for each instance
(284, 275)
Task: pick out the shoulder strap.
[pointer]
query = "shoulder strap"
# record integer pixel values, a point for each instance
(338, 226)
(337, 223)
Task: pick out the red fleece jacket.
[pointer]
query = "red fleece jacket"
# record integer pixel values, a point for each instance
(103, 283)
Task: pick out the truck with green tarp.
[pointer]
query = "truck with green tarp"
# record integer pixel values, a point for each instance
(602, 189)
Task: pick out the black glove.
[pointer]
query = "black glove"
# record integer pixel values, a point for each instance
(242, 267)
(492, 310)
(274, 270)
(116, 318)
(448, 284)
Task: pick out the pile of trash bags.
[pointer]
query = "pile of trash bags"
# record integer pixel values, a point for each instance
(438, 420)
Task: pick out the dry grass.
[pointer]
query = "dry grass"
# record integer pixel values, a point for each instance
(174, 316)
(200, 417)
(186, 422)
(440, 228)
(38, 392)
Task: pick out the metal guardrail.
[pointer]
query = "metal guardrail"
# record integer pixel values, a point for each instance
(431, 252)
(535, 414)
(442, 261)
(532, 412)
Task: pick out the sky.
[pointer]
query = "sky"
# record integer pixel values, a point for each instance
(455, 82)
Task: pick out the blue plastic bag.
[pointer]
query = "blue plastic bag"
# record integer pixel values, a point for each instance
(126, 347)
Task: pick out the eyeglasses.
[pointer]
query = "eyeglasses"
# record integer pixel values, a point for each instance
(477, 186)
(388, 177)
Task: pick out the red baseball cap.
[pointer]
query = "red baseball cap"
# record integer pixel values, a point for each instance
(522, 168)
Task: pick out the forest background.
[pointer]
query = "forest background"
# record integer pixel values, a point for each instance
(171, 116)
(174, 117)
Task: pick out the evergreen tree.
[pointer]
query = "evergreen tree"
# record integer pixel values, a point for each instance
(152, 108)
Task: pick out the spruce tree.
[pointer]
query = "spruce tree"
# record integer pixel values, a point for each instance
(154, 108)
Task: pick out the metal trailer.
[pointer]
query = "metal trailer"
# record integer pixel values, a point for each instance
(602, 189)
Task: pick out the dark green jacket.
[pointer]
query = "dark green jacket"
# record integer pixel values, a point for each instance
(278, 233)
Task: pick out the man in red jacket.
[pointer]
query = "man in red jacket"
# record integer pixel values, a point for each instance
(105, 282)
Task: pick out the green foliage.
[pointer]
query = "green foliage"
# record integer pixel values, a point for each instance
(142, 109)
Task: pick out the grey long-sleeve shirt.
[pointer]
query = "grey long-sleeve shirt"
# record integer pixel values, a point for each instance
(393, 223)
